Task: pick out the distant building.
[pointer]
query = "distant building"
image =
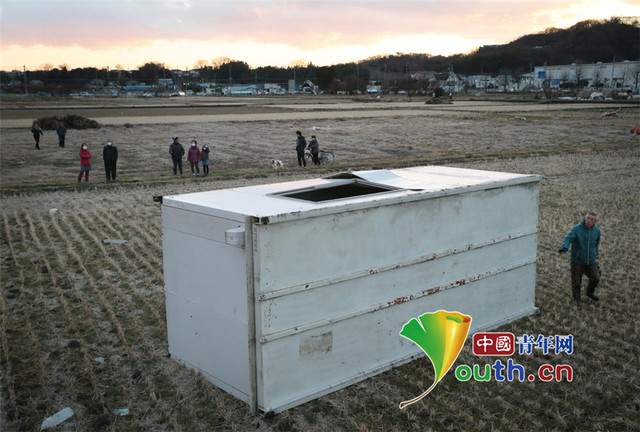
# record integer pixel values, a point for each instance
(424, 75)
(480, 81)
(624, 74)
(238, 90)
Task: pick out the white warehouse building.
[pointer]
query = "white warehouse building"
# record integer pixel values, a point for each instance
(624, 74)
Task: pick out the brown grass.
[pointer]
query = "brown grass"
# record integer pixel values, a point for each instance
(67, 298)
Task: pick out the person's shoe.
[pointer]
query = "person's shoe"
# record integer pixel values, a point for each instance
(593, 297)
(576, 302)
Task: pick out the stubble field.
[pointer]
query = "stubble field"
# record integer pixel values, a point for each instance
(82, 321)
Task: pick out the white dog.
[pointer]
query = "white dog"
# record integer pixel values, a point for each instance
(277, 164)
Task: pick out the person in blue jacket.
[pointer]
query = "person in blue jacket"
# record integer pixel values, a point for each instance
(584, 240)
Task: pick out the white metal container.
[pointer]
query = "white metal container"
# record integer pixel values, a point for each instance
(284, 292)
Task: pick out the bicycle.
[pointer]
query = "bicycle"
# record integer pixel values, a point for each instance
(325, 156)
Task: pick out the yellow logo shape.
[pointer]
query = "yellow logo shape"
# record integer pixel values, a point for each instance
(441, 335)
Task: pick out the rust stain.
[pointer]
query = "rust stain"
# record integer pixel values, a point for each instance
(399, 300)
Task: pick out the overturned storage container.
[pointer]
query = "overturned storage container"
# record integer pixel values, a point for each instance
(284, 292)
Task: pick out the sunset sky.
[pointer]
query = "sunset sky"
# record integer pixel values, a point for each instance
(178, 33)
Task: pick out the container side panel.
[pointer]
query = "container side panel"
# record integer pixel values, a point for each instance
(334, 356)
(372, 291)
(207, 316)
(307, 250)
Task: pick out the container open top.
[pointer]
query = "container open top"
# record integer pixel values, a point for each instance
(358, 189)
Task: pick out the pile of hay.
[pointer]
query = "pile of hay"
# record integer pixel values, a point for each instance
(70, 121)
(438, 100)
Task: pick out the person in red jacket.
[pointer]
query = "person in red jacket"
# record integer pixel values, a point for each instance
(85, 163)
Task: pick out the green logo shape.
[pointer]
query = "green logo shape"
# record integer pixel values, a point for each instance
(441, 335)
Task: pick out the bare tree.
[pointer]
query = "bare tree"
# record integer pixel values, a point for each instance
(218, 62)
(299, 63)
(200, 64)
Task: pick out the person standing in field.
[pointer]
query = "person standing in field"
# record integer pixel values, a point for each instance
(176, 151)
(584, 240)
(110, 157)
(85, 162)
(301, 144)
(36, 130)
(61, 130)
(314, 147)
(204, 158)
(194, 157)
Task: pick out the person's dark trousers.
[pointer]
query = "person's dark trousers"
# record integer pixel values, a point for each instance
(592, 273)
(301, 161)
(177, 164)
(61, 141)
(316, 161)
(37, 138)
(110, 170)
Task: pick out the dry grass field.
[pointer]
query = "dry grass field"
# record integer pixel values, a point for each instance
(82, 322)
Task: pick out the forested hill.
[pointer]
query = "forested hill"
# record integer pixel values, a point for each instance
(616, 39)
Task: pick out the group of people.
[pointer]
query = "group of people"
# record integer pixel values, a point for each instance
(301, 146)
(109, 156)
(36, 131)
(109, 152)
(195, 157)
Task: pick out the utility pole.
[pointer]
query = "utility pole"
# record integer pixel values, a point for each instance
(24, 69)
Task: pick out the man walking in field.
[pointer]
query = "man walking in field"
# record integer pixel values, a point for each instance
(584, 240)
